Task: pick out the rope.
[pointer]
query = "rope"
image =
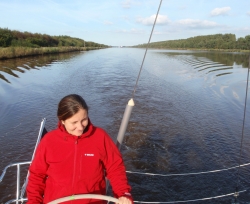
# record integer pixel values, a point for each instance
(242, 135)
(146, 50)
(12, 129)
(209, 198)
(185, 174)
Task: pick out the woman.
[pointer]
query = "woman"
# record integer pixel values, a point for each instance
(75, 158)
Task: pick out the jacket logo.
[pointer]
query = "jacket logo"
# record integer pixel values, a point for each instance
(89, 155)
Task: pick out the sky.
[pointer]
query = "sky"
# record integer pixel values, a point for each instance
(127, 22)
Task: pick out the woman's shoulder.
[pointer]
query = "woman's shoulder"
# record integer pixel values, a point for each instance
(51, 135)
(102, 135)
(101, 132)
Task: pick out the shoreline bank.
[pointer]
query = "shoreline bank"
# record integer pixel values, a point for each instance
(17, 52)
(196, 49)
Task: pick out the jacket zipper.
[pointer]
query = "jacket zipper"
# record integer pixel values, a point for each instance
(74, 167)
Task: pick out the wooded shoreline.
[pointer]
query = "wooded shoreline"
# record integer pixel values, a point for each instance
(14, 44)
(225, 42)
(198, 49)
(16, 52)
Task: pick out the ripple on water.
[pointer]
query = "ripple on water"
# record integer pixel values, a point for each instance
(187, 115)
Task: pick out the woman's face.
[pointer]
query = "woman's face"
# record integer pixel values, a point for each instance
(77, 123)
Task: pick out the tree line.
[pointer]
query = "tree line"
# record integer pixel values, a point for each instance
(13, 38)
(217, 41)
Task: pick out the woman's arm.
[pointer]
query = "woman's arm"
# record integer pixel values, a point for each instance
(37, 177)
(116, 172)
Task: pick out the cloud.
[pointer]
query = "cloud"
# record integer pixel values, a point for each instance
(194, 23)
(248, 13)
(220, 11)
(131, 31)
(136, 31)
(161, 20)
(245, 30)
(54, 21)
(183, 7)
(125, 18)
(160, 33)
(126, 4)
(108, 23)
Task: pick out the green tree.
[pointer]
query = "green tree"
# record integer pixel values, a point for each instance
(5, 37)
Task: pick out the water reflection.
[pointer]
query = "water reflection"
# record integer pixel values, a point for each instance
(186, 119)
(226, 58)
(224, 73)
(16, 66)
(221, 69)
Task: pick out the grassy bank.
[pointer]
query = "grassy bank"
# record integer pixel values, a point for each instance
(218, 50)
(14, 52)
(198, 49)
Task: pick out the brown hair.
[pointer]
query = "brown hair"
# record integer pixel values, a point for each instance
(70, 105)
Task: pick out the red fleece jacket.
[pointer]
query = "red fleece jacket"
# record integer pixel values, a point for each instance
(67, 165)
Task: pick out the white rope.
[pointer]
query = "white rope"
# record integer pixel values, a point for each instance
(12, 129)
(185, 174)
(210, 198)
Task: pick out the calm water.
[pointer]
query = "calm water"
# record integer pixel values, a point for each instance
(188, 115)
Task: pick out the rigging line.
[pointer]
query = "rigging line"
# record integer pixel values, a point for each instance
(12, 129)
(186, 174)
(243, 127)
(146, 50)
(209, 198)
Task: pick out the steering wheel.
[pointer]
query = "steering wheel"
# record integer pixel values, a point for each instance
(84, 196)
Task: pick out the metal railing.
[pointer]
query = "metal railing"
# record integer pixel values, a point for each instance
(20, 193)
